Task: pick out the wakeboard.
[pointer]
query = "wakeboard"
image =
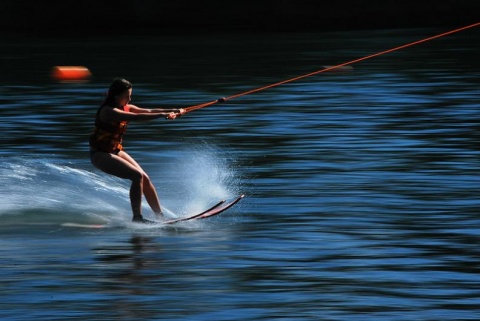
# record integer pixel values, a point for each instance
(216, 209)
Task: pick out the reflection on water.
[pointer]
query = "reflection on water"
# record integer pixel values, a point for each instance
(362, 186)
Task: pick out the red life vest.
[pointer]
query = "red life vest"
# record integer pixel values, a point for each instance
(108, 136)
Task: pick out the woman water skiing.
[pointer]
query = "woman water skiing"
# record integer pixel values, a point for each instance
(106, 150)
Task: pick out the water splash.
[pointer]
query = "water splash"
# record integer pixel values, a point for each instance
(198, 176)
(44, 190)
(48, 191)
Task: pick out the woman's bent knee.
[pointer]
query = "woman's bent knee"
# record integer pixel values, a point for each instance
(137, 176)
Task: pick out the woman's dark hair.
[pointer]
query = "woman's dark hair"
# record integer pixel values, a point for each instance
(118, 86)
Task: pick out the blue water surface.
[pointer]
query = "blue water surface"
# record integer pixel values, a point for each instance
(361, 185)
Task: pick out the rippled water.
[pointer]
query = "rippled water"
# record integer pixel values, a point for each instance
(362, 186)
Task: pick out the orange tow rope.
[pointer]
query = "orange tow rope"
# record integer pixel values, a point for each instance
(195, 107)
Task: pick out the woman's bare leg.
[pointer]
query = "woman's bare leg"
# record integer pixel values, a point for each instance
(118, 166)
(148, 188)
(152, 198)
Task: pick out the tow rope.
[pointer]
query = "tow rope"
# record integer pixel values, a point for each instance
(221, 100)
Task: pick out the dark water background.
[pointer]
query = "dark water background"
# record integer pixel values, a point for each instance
(362, 186)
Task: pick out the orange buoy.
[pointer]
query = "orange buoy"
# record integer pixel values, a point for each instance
(70, 73)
